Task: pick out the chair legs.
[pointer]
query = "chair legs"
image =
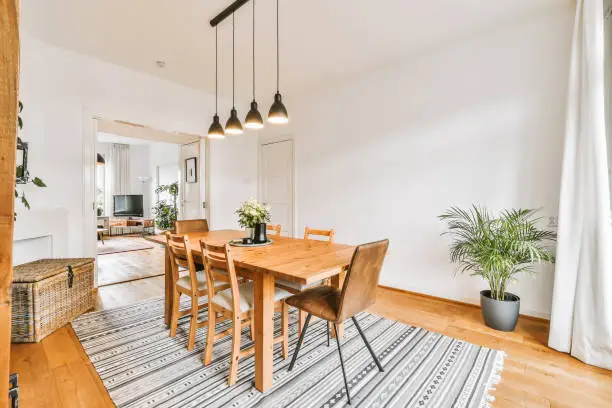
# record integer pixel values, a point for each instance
(365, 340)
(212, 325)
(176, 299)
(235, 355)
(327, 326)
(193, 323)
(348, 396)
(299, 344)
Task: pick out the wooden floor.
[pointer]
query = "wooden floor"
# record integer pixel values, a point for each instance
(130, 266)
(57, 373)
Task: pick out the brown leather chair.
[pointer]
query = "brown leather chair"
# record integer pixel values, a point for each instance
(186, 226)
(357, 294)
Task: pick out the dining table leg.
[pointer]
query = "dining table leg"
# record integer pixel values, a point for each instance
(168, 287)
(264, 331)
(337, 281)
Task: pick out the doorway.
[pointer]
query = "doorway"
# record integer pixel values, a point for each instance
(134, 170)
(276, 182)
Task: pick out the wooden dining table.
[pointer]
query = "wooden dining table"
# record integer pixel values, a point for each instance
(297, 260)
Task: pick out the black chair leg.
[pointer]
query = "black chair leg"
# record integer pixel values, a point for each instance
(327, 324)
(297, 347)
(365, 340)
(348, 395)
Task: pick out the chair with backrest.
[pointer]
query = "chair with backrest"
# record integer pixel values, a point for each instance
(275, 228)
(235, 303)
(296, 287)
(186, 226)
(357, 294)
(192, 285)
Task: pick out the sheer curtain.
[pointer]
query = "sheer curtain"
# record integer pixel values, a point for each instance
(581, 320)
(118, 176)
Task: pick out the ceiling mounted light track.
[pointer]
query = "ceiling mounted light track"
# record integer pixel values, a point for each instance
(233, 125)
(215, 131)
(253, 119)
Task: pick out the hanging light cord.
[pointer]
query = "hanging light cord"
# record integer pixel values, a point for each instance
(253, 49)
(277, 53)
(233, 62)
(216, 73)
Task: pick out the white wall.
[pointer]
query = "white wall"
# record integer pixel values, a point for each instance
(233, 166)
(59, 89)
(479, 120)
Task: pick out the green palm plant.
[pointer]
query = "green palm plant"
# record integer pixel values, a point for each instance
(497, 248)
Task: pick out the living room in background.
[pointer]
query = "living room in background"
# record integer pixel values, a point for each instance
(132, 163)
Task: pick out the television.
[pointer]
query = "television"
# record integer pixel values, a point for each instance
(127, 205)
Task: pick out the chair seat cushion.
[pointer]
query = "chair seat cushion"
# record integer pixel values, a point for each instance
(247, 297)
(185, 281)
(298, 287)
(322, 301)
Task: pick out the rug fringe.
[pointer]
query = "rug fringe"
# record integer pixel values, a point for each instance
(495, 378)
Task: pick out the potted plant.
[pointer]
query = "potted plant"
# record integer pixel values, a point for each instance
(253, 216)
(497, 249)
(165, 210)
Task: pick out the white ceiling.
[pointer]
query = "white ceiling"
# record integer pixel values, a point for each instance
(321, 40)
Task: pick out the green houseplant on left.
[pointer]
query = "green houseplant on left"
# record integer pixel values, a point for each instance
(498, 249)
(22, 172)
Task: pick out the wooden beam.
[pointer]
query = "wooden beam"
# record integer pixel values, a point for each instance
(9, 83)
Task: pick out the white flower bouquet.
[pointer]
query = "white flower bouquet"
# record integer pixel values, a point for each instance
(251, 212)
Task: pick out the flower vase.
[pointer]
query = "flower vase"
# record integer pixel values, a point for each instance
(260, 236)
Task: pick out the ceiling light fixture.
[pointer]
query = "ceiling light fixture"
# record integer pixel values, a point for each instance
(233, 125)
(253, 119)
(215, 131)
(278, 112)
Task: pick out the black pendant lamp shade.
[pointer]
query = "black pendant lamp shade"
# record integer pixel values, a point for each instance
(253, 119)
(278, 112)
(100, 159)
(215, 131)
(233, 125)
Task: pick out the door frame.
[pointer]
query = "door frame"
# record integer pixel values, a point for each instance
(9, 81)
(268, 141)
(90, 119)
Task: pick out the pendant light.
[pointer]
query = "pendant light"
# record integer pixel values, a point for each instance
(233, 125)
(215, 131)
(253, 119)
(278, 112)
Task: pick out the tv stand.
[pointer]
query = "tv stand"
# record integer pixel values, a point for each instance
(131, 225)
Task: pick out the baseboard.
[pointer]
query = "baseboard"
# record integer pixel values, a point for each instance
(457, 302)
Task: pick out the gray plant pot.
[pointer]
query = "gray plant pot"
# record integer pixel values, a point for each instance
(500, 314)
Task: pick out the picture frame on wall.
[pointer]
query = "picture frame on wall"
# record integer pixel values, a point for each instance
(191, 170)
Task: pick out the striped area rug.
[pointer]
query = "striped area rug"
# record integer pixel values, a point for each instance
(141, 366)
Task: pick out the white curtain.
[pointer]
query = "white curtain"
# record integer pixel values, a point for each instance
(581, 320)
(119, 170)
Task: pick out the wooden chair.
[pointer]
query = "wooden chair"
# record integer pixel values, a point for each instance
(276, 228)
(296, 287)
(186, 226)
(358, 293)
(235, 303)
(323, 233)
(193, 285)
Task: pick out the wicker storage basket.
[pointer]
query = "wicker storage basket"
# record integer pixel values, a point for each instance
(49, 293)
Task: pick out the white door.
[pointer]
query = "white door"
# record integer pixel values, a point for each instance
(190, 182)
(276, 182)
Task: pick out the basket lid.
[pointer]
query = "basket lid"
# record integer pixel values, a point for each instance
(44, 268)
